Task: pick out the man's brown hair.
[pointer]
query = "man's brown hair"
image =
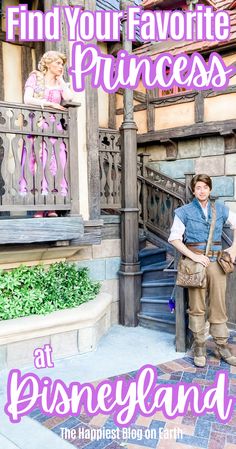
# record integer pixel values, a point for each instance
(202, 178)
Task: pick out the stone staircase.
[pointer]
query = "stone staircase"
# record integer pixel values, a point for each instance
(157, 288)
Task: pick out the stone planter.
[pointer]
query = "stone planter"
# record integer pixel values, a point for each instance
(69, 332)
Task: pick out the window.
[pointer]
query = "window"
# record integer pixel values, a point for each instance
(175, 90)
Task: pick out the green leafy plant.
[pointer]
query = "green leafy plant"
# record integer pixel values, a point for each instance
(36, 290)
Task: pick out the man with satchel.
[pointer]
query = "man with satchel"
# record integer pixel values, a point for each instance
(201, 223)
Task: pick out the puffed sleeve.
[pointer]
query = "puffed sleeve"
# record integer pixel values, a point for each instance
(31, 81)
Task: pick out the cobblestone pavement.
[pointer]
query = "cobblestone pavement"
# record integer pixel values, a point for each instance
(184, 432)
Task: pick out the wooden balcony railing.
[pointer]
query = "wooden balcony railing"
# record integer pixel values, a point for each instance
(38, 163)
(110, 168)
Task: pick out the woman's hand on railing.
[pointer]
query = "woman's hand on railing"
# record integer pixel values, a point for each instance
(54, 106)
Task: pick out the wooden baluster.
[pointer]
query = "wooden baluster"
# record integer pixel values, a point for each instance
(28, 199)
(44, 158)
(109, 190)
(169, 219)
(50, 171)
(63, 161)
(39, 175)
(102, 178)
(67, 198)
(116, 180)
(158, 214)
(22, 180)
(140, 201)
(18, 169)
(6, 175)
(32, 168)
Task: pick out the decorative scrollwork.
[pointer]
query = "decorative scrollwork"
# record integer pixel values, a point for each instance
(110, 174)
(169, 184)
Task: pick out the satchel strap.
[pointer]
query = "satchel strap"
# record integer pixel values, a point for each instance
(213, 222)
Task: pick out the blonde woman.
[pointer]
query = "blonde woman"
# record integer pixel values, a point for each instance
(46, 88)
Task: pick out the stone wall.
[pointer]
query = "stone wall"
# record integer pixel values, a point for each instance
(200, 155)
(69, 332)
(103, 262)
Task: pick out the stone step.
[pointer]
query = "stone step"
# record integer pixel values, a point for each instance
(164, 322)
(148, 256)
(154, 305)
(159, 287)
(155, 271)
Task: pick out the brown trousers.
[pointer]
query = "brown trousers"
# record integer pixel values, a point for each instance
(217, 317)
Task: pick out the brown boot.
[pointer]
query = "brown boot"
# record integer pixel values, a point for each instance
(199, 355)
(197, 326)
(220, 334)
(225, 354)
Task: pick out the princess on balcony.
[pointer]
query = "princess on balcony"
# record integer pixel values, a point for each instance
(46, 87)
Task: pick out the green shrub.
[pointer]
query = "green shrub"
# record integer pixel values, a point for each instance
(35, 290)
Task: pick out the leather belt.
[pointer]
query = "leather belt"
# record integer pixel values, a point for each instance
(202, 251)
(196, 244)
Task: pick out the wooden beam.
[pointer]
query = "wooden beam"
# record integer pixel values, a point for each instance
(211, 93)
(199, 108)
(29, 230)
(92, 234)
(180, 320)
(173, 99)
(209, 128)
(76, 3)
(62, 45)
(39, 48)
(190, 96)
(112, 111)
(1, 74)
(137, 107)
(26, 64)
(16, 42)
(138, 96)
(150, 110)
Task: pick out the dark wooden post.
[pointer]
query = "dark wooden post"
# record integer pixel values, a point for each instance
(92, 139)
(180, 323)
(1, 74)
(199, 107)
(129, 275)
(74, 160)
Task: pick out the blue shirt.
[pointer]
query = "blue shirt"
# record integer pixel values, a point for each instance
(197, 225)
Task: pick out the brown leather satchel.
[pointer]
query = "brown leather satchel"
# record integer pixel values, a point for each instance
(193, 274)
(225, 262)
(190, 273)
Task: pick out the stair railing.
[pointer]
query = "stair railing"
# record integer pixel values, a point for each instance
(158, 194)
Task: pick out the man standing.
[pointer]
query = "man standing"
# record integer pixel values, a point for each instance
(192, 221)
